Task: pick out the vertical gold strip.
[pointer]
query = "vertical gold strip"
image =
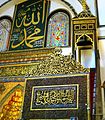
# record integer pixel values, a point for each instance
(32, 97)
(77, 95)
(14, 18)
(43, 11)
(48, 4)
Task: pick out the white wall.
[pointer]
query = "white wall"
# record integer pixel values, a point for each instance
(88, 58)
(58, 4)
(8, 12)
(101, 12)
(55, 4)
(92, 6)
(101, 31)
(76, 4)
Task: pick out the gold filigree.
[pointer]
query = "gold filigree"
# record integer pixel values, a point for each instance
(59, 64)
(18, 70)
(55, 64)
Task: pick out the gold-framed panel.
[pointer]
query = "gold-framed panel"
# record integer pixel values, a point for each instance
(76, 108)
(61, 76)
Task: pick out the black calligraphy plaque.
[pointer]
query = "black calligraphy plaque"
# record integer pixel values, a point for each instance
(56, 97)
(28, 30)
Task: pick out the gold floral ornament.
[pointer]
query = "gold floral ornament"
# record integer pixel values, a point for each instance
(59, 64)
(55, 63)
(12, 110)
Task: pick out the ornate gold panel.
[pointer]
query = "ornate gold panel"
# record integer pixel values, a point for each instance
(56, 63)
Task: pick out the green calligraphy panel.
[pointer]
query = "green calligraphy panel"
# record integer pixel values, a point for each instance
(28, 30)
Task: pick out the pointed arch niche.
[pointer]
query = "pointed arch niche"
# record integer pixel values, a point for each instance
(58, 29)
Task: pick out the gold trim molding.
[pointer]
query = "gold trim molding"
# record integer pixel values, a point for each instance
(24, 56)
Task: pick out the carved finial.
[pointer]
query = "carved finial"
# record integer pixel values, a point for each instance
(84, 4)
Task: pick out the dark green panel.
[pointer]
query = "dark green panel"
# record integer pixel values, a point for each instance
(29, 25)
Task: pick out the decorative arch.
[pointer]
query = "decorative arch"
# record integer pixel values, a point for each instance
(84, 40)
(58, 29)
